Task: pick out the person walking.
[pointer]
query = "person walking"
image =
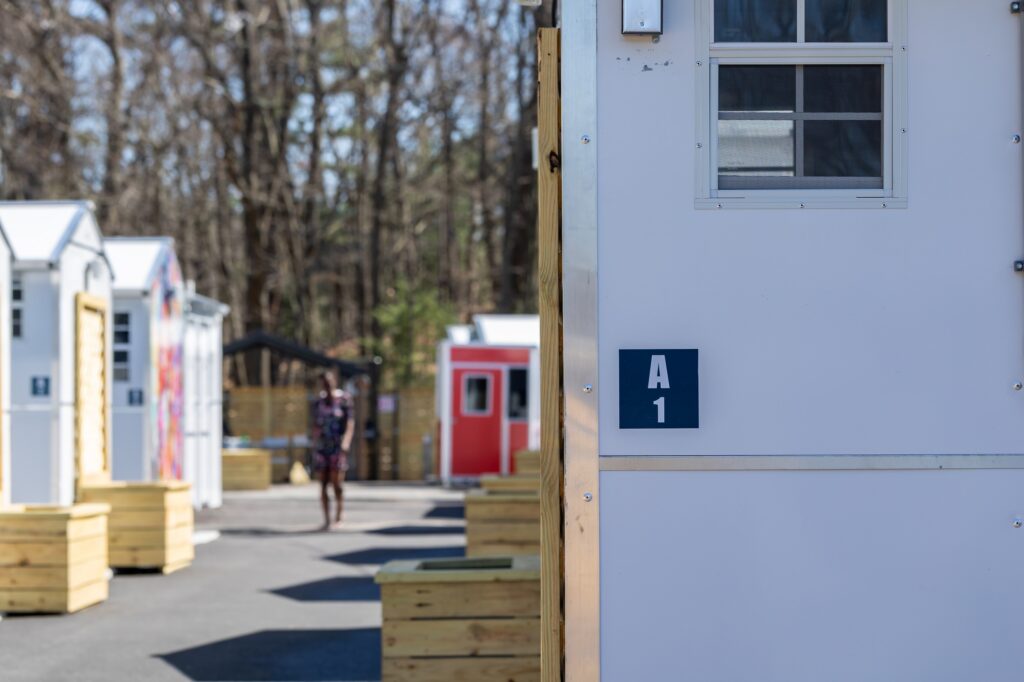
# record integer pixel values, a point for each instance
(333, 428)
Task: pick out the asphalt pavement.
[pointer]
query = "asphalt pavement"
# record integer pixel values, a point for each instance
(268, 598)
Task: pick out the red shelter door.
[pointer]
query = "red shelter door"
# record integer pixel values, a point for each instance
(476, 421)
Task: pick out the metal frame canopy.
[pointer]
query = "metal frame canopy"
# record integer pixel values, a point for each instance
(857, 375)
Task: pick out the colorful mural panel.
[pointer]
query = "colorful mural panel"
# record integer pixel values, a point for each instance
(166, 349)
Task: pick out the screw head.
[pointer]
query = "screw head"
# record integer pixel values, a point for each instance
(1018, 386)
(585, 139)
(1016, 139)
(587, 497)
(1017, 523)
(589, 388)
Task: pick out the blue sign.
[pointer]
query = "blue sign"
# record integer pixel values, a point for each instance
(136, 397)
(658, 389)
(40, 387)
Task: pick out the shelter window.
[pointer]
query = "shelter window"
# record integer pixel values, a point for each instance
(122, 355)
(122, 372)
(122, 329)
(518, 394)
(476, 395)
(804, 100)
(17, 307)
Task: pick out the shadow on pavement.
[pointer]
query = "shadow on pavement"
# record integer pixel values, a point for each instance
(419, 530)
(284, 655)
(269, 532)
(446, 511)
(342, 588)
(382, 555)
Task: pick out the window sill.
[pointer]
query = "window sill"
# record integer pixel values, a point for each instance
(722, 203)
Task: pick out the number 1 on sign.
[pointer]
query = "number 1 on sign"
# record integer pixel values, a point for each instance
(660, 402)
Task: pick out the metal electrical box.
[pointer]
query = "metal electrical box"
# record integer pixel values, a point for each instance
(641, 17)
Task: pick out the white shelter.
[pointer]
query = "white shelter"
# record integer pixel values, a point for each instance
(488, 394)
(792, 250)
(5, 369)
(60, 350)
(204, 397)
(148, 354)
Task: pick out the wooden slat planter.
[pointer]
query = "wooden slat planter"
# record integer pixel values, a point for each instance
(524, 483)
(527, 462)
(461, 620)
(246, 469)
(53, 559)
(502, 524)
(151, 524)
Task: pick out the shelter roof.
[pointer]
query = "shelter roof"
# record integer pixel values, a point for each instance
(259, 340)
(507, 330)
(136, 260)
(41, 230)
(460, 333)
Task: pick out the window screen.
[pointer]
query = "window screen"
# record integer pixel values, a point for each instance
(518, 394)
(476, 398)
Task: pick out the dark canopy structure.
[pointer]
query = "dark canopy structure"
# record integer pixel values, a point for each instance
(260, 340)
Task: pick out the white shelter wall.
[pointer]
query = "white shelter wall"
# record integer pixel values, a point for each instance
(35, 442)
(871, 331)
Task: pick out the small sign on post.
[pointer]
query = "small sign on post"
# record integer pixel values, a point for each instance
(658, 389)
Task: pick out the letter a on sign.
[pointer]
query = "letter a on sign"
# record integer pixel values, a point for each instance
(659, 372)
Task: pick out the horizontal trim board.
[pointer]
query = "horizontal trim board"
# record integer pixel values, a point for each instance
(812, 463)
(727, 115)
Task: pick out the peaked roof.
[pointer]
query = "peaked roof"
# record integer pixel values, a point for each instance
(136, 260)
(260, 339)
(41, 230)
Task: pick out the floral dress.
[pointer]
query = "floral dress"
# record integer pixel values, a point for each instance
(330, 419)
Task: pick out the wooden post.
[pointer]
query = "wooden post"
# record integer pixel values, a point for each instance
(549, 218)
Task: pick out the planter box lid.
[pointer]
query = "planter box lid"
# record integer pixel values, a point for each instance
(502, 496)
(78, 511)
(132, 486)
(473, 570)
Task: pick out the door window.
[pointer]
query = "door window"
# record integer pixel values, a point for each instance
(476, 395)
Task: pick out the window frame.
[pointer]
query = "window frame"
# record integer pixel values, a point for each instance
(892, 56)
(463, 406)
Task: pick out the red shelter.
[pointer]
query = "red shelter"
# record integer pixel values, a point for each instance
(488, 395)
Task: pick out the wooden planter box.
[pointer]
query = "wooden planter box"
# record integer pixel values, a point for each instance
(461, 620)
(151, 524)
(527, 462)
(53, 559)
(502, 524)
(524, 483)
(246, 469)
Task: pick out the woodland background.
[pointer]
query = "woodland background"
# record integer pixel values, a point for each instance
(352, 174)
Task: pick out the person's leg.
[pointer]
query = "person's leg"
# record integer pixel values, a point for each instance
(336, 478)
(325, 501)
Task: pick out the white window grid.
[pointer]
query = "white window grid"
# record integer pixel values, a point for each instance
(892, 56)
